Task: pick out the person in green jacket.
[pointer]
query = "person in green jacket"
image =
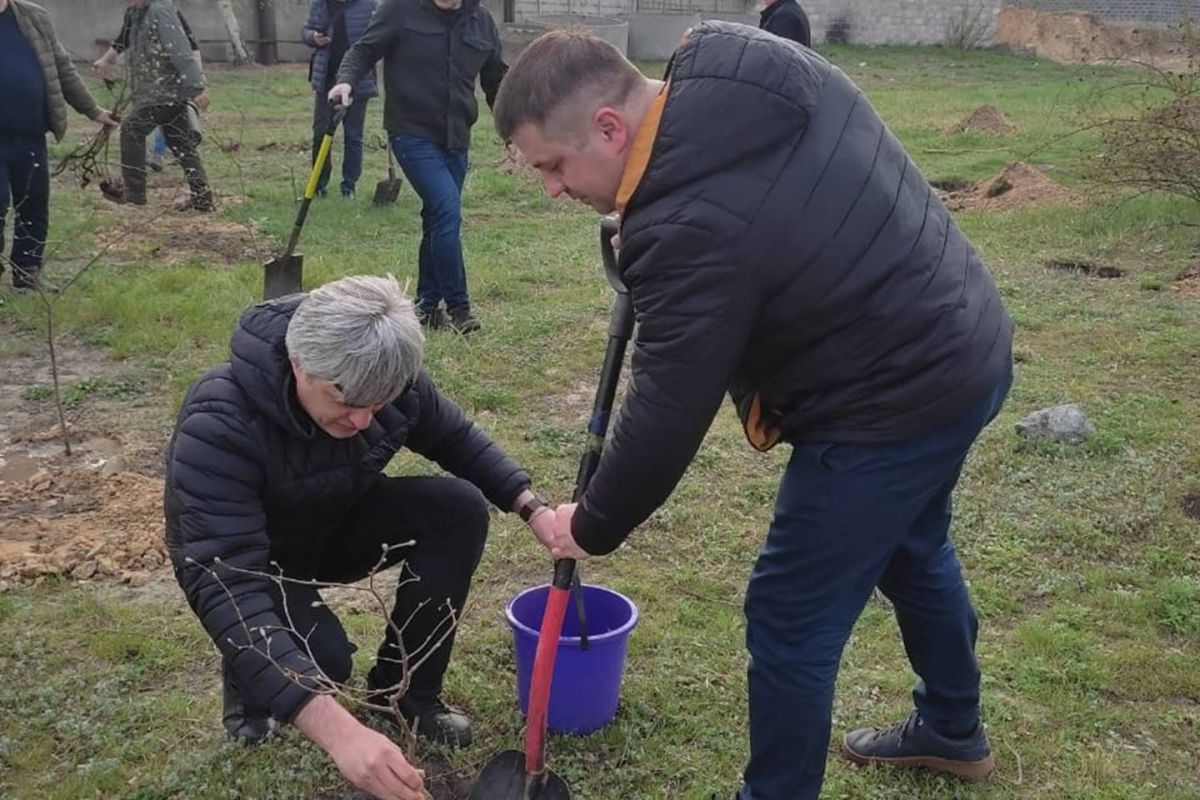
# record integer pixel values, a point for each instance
(39, 81)
(164, 79)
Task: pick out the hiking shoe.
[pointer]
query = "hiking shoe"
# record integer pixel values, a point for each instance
(32, 282)
(203, 202)
(462, 320)
(912, 743)
(115, 192)
(431, 719)
(433, 320)
(243, 724)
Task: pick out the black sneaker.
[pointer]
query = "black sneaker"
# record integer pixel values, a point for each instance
(431, 719)
(245, 725)
(462, 320)
(433, 320)
(912, 743)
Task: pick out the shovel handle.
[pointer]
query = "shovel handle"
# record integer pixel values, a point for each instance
(314, 177)
(620, 330)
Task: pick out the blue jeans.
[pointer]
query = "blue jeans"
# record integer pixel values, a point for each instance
(352, 141)
(25, 181)
(849, 518)
(437, 174)
(160, 144)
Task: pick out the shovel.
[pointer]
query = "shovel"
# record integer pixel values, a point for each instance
(512, 775)
(388, 189)
(283, 275)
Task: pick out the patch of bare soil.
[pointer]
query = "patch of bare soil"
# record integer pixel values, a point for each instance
(158, 232)
(985, 119)
(512, 163)
(1187, 283)
(1075, 37)
(1191, 506)
(1019, 185)
(96, 514)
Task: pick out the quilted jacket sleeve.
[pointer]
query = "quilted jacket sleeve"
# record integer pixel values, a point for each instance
(220, 553)
(444, 434)
(694, 314)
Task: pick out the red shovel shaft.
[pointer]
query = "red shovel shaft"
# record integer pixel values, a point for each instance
(539, 682)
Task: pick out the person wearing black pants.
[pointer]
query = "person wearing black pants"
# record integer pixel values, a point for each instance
(274, 476)
(332, 27)
(33, 100)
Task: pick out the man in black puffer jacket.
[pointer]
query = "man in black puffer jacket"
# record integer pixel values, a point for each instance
(780, 245)
(276, 466)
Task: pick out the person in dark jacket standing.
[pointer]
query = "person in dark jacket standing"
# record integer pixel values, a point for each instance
(787, 19)
(332, 27)
(275, 468)
(39, 82)
(164, 79)
(779, 245)
(433, 51)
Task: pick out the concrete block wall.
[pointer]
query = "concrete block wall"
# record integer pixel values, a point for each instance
(894, 21)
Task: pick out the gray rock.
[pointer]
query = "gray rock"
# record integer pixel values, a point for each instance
(113, 466)
(1066, 423)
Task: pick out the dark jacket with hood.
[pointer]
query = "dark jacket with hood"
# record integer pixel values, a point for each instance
(355, 15)
(787, 19)
(781, 246)
(431, 59)
(252, 480)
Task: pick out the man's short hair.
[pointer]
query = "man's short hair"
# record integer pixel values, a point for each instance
(360, 333)
(558, 67)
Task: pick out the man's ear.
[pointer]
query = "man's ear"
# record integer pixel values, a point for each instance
(610, 125)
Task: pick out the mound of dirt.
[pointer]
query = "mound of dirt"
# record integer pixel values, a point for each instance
(985, 119)
(1019, 185)
(164, 236)
(82, 525)
(1187, 283)
(511, 163)
(1075, 37)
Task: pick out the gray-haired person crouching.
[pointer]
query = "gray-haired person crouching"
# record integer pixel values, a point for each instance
(277, 459)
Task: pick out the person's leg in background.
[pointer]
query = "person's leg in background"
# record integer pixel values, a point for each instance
(7, 145)
(437, 175)
(28, 178)
(135, 126)
(184, 142)
(322, 114)
(352, 145)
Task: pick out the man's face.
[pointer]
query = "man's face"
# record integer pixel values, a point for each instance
(587, 169)
(322, 401)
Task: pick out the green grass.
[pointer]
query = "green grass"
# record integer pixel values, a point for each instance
(1083, 567)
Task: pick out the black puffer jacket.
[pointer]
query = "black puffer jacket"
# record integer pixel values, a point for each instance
(251, 480)
(431, 59)
(782, 246)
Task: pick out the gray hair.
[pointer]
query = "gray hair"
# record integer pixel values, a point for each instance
(359, 332)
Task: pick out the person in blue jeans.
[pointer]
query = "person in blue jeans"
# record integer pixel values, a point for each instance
(433, 53)
(333, 26)
(780, 246)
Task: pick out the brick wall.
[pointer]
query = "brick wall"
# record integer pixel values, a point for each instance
(1165, 12)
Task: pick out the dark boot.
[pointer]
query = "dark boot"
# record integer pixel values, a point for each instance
(203, 202)
(433, 320)
(431, 719)
(462, 320)
(26, 280)
(912, 743)
(246, 725)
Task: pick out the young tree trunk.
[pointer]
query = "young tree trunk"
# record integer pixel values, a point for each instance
(240, 56)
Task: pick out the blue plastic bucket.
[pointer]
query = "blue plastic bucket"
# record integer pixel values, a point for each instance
(586, 683)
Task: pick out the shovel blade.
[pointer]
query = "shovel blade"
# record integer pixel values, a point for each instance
(386, 191)
(505, 778)
(282, 276)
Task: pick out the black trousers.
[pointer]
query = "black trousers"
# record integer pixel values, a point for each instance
(25, 181)
(446, 519)
(183, 141)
